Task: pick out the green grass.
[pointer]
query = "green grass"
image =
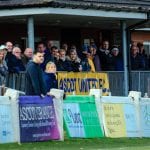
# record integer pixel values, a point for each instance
(84, 144)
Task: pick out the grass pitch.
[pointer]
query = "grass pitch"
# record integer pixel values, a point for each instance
(84, 144)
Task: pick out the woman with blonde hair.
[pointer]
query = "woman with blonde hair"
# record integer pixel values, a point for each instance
(3, 65)
(50, 76)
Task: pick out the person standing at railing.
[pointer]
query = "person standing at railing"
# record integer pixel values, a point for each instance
(137, 62)
(117, 58)
(3, 65)
(95, 59)
(50, 76)
(143, 55)
(35, 84)
(105, 57)
(27, 56)
(15, 64)
(9, 47)
(87, 63)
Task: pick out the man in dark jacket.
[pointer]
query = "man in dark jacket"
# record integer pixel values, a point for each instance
(62, 64)
(35, 84)
(137, 63)
(14, 63)
(27, 56)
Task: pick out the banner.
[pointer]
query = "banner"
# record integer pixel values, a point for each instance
(81, 118)
(114, 123)
(81, 83)
(14, 98)
(145, 117)
(6, 124)
(58, 106)
(37, 119)
(131, 122)
(119, 117)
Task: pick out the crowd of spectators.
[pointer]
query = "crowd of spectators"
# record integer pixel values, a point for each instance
(91, 58)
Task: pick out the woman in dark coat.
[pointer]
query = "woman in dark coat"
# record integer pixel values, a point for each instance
(50, 76)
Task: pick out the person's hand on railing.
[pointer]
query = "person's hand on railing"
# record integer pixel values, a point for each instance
(48, 94)
(42, 96)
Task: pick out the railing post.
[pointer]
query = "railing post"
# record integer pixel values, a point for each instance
(31, 32)
(125, 58)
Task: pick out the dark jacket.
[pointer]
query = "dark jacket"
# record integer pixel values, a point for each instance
(8, 56)
(25, 60)
(137, 63)
(75, 66)
(35, 84)
(47, 57)
(106, 60)
(85, 65)
(15, 65)
(118, 63)
(63, 65)
(50, 81)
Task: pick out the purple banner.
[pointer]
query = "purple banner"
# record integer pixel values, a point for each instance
(37, 119)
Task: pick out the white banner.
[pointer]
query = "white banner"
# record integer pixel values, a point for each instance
(7, 134)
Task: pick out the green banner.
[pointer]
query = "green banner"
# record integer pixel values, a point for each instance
(81, 118)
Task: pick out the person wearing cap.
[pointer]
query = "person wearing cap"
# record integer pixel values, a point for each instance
(117, 59)
(3, 65)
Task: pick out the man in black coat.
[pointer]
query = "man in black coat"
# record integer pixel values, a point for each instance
(35, 84)
(14, 62)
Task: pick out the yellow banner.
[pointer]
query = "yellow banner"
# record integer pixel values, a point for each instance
(114, 122)
(81, 83)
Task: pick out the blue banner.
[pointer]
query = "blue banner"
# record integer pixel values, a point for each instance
(37, 119)
(131, 121)
(145, 119)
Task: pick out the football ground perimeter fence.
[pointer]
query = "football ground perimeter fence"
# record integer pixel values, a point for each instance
(139, 81)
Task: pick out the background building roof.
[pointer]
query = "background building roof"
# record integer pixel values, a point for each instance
(116, 5)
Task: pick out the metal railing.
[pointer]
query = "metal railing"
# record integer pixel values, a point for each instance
(139, 81)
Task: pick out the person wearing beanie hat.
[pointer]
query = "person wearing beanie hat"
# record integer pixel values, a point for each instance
(117, 59)
(2, 47)
(115, 49)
